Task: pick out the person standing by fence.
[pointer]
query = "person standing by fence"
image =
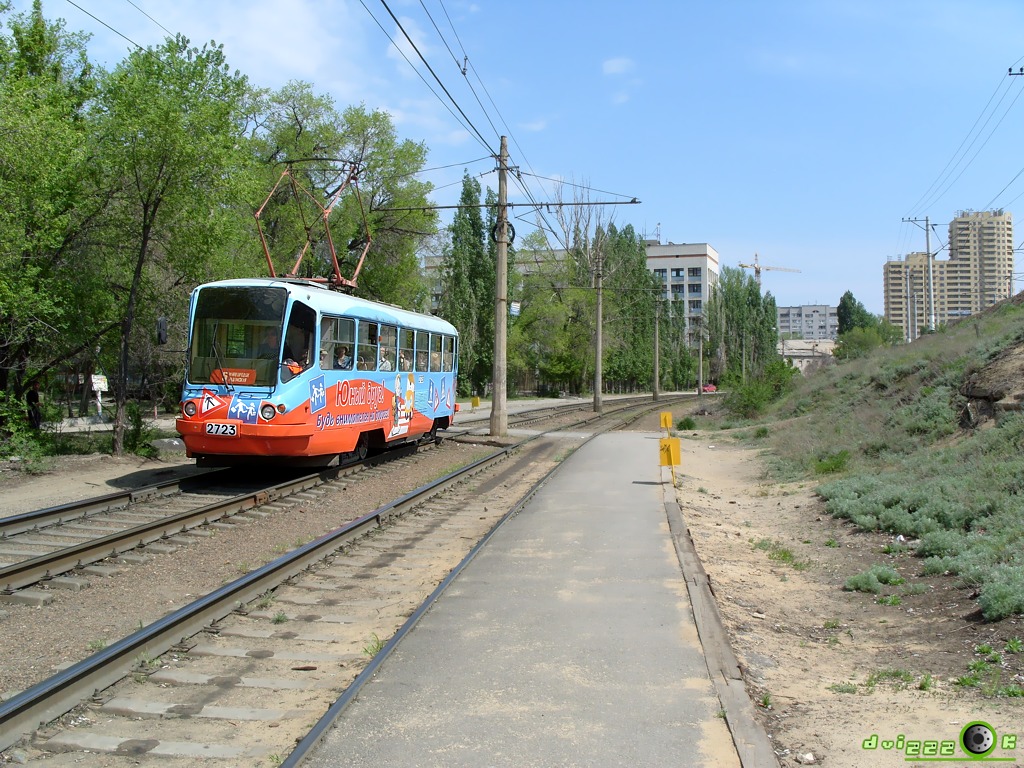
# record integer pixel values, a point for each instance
(35, 413)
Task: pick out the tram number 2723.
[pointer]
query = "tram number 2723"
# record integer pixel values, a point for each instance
(221, 430)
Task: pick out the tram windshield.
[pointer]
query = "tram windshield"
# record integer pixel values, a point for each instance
(236, 336)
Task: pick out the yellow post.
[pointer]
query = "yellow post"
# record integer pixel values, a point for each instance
(475, 402)
(670, 452)
(666, 420)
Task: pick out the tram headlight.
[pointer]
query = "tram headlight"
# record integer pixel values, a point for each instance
(190, 408)
(267, 411)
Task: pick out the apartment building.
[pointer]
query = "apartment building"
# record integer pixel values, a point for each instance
(922, 292)
(809, 321)
(687, 272)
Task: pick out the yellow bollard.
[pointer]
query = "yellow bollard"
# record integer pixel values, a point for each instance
(475, 402)
(666, 420)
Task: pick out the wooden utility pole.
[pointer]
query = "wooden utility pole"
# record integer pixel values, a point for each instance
(499, 413)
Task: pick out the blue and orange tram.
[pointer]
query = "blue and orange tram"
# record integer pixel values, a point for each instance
(291, 372)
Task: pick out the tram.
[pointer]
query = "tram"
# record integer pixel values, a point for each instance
(290, 372)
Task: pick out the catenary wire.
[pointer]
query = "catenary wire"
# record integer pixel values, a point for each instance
(475, 130)
(418, 73)
(96, 18)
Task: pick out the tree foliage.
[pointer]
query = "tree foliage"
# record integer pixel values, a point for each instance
(741, 328)
(45, 84)
(124, 189)
(860, 331)
(168, 151)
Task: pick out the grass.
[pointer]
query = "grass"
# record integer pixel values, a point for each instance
(900, 677)
(279, 618)
(889, 438)
(843, 688)
(1014, 645)
(375, 646)
(780, 554)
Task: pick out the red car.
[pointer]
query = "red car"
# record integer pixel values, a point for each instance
(710, 388)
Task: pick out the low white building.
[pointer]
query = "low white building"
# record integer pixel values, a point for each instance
(807, 354)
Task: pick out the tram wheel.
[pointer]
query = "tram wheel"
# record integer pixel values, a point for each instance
(362, 447)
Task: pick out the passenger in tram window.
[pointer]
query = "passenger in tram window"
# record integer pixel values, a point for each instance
(403, 362)
(385, 361)
(363, 364)
(343, 359)
(421, 361)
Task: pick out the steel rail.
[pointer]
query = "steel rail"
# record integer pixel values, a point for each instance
(51, 698)
(34, 707)
(26, 572)
(75, 510)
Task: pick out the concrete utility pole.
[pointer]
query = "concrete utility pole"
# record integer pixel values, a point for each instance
(599, 341)
(928, 254)
(657, 347)
(499, 413)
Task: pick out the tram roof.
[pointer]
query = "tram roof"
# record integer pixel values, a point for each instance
(327, 300)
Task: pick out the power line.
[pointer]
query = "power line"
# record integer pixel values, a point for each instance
(461, 68)
(165, 29)
(96, 18)
(432, 72)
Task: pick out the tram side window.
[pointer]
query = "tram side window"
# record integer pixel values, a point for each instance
(406, 349)
(422, 350)
(388, 342)
(435, 352)
(367, 348)
(448, 358)
(337, 340)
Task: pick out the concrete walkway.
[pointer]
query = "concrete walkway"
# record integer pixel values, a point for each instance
(568, 641)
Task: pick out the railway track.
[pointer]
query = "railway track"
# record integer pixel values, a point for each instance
(297, 631)
(61, 545)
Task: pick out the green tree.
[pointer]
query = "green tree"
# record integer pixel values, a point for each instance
(47, 291)
(169, 158)
(467, 290)
(852, 314)
(352, 166)
(741, 327)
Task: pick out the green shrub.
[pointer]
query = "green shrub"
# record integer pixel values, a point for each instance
(832, 463)
(686, 424)
(1002, 594)
(872, 579)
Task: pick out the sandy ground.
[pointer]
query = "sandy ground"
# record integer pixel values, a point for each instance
(828, 669)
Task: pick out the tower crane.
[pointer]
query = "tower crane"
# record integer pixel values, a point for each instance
(756, 266)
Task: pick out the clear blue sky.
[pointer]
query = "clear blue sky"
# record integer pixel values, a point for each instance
(804, 131)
